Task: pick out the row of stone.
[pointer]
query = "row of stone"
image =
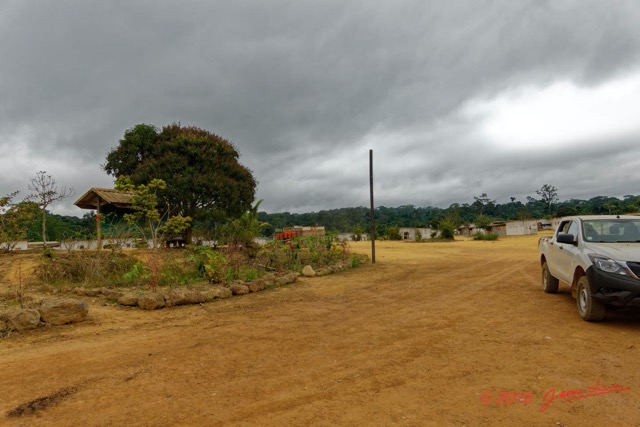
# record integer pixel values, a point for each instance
(182, 296)
(50, 312)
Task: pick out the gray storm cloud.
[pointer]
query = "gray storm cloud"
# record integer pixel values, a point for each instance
(305, 89)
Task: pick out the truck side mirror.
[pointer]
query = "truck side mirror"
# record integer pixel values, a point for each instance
(566, 238)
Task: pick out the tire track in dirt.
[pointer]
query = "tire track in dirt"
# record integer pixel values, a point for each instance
(413, 340)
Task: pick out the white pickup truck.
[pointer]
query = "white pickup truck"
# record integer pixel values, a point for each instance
(599, 256)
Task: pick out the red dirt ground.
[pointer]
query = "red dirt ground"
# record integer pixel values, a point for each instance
(433, 334)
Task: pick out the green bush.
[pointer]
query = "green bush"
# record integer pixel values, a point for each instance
(211, 263)
(355, 261)
(138, 275)
(485, 236)
(447, 229)
(393, 233)
(294, 254)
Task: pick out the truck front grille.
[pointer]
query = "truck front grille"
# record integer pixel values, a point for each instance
(635, 267)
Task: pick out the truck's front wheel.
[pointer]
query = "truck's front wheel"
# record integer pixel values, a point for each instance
(590, 309)
(549, 283)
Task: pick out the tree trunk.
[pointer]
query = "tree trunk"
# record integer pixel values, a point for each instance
(188, 235)
(44, 228)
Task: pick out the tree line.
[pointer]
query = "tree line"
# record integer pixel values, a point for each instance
(348, 220)
(190, 180)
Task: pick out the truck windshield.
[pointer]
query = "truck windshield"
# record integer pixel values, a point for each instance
(611, 230)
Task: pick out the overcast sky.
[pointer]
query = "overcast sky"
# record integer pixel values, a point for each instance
(455, 98)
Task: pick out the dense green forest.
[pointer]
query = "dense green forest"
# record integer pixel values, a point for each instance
(350, 219)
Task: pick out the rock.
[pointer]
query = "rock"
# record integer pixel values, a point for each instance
(239, 289)
(269, 277)
(268, 282)
(62, 311)
(151, 301)
(92, 292)
(260, 284)
(21, 319)
(128, 300)
(323, 272)
(253, 286)
(111, 294)
(184, 296)
(287, 278)
(216, 292)
(308, 271)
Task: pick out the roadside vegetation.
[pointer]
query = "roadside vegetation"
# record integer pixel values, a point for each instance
(197, 264)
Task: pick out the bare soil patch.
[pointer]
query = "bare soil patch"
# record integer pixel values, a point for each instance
(432, 334)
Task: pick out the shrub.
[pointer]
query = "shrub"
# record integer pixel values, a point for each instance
(393, 233)
(485, 236)
(447, 230)
(355, 261)
(95, 268)
(294, 254)
(210, 263)
(138, 274)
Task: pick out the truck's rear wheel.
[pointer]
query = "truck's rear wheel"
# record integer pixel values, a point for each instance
(589, 308)
(549, 283)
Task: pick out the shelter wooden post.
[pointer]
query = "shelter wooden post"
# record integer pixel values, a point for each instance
(99, 227)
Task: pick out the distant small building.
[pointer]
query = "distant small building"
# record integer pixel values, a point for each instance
(299, 231)
(347, 237)
(521, 228)
(501, 228)
(467, 230)
(498, 227)
(408, 233)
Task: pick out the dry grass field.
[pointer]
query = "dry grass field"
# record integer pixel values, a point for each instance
(433, 334)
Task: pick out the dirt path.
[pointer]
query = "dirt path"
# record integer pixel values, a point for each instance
(430, 335)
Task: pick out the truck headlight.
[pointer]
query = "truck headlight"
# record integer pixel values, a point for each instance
(608, 265)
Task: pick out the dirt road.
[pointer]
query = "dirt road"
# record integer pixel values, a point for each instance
(432, 334)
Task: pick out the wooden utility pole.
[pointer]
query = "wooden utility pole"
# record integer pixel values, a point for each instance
(373, 220)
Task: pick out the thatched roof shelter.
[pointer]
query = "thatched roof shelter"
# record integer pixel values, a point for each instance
(99, 198)
(96, 198)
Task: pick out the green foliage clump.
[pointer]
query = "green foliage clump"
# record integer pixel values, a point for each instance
(138, 274)
(485, 236)
(15, 220)
(242, 231)
(483, 221)
(393, 233)
(144, 210)
(294, 254)
(355, 261)
(447, 230)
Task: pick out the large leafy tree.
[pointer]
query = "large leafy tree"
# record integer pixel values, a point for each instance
(549, 195)
(14, 220)
(204, 178)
